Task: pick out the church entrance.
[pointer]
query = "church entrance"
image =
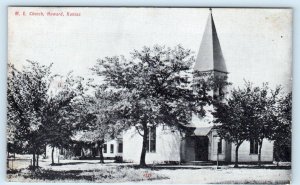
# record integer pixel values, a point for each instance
(194, 148)
(201, 148)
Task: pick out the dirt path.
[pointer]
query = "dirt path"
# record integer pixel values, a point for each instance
(184, 176)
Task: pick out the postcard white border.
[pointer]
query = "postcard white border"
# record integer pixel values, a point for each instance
(295, 4)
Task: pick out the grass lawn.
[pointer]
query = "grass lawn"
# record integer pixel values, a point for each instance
(93, 171)
(109, 174)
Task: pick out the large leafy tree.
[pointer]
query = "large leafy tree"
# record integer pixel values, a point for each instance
(36, 116)
(27, 100)
(155, 87)
(13, 119)
(232, 118)
(102, 124)
(61, 116)
(249, 114)
(264, 102)
(282, 134)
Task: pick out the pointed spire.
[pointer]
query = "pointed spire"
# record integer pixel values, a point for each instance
(210, 57)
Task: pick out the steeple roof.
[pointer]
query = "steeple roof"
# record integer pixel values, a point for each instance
(210, 57)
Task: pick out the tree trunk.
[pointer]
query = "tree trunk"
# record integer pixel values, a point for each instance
(37, 160)
(33, 160)
(100, 152)
(144, 148)
(236, 163)
(45, 152)
(82, 152)
(100, 147)
(259, 152)
(52, 155)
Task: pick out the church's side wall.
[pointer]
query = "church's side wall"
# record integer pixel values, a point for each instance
(167, 146)
(245, 156)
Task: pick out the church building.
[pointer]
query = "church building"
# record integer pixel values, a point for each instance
(203, 144)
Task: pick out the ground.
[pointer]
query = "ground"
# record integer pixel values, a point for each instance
(93, 171)
(226, 176)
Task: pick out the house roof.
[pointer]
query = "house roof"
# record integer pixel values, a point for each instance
(210, 56)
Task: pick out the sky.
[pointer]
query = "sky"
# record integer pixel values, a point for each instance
(256, 43)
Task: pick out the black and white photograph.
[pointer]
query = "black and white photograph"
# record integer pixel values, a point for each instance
(158, 95)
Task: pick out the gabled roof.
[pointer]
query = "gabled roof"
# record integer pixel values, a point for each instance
(210, 57)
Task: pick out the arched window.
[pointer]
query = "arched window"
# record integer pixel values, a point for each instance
(253, 146)
(220, 146)
(151, 140)
(112, 148)
(105, 148)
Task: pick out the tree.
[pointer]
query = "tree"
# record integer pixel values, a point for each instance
(102, 125)
(232, 119)
(249, 114)
(60, 119)
(13, 144)
(36, 117)
(27, 100)
(155, 88)
(282, 134)
(264, 103)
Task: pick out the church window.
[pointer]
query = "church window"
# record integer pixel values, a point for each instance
(120, 148)
(105, 148)
(151, 140)
(220, 146)
(61, 151)
(253, 147)
(112, 148)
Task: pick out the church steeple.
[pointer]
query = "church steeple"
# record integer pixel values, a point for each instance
(210, 57)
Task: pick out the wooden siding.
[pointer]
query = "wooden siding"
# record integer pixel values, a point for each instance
(245, 156)
(167, 146)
